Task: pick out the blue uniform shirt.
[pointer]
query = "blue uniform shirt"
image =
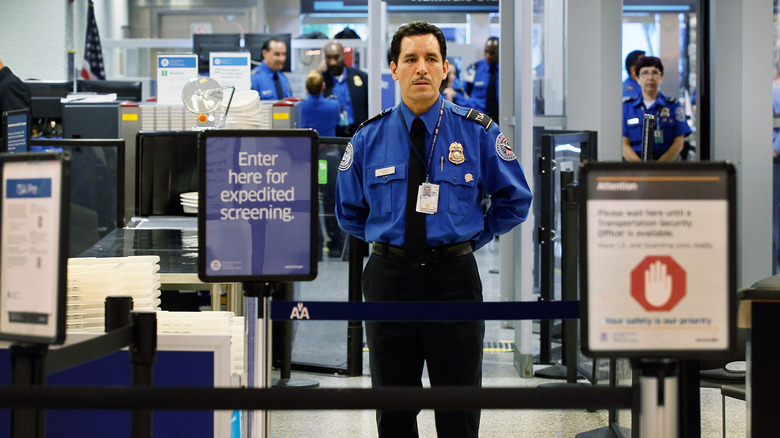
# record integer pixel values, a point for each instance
(476, 85)
(670, 122)
(263, 82)
(321, 114)
(631, 87)
(341, 90)
(467, 160)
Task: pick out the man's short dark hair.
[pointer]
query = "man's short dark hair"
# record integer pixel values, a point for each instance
(416, 28)
(267, 43)
(632, 58)
(649, 61)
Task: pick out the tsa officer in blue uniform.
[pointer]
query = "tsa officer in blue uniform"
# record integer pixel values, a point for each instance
(670, 124)
(631, 85)
(267, 78)
(464, 154)
(481, 81)
(349, 85)
(318, 112)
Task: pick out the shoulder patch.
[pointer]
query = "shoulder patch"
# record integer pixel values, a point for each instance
(346, 159)
(504, 149)
(381, 114)
(472, 114)
(671, 99)
(628, 98)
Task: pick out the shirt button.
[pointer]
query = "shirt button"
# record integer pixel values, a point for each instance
(455, 178)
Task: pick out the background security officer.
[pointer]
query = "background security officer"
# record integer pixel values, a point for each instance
(423, 245)
(481, 81)
(670, 124)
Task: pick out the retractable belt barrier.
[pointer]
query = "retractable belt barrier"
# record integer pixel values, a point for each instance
(423, 311)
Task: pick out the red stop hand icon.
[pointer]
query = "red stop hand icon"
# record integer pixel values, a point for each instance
(658, 283)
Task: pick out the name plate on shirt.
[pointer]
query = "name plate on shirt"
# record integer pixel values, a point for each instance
(385, 171)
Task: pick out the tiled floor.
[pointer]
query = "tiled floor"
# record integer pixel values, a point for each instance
(325, 343)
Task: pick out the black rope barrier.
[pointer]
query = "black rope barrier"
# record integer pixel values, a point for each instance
(284, 399)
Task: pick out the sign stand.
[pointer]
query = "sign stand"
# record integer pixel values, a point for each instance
(258, 206)
(658, 274)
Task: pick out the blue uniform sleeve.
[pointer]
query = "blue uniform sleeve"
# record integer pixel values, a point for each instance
(351, 206)
(681, 125)
(504, 180)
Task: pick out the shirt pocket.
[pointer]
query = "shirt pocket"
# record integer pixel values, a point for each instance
(635, 133)
(387, 187)
(457, 189)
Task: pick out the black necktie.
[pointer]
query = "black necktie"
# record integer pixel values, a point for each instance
(415, 237)
(279, 92)
(491, 105)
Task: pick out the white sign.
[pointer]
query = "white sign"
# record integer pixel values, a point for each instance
(231, 69)
(659, 272)
(173, 71)
(662, 274)
(29, 257)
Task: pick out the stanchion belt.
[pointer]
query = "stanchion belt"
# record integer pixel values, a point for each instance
(423, 311)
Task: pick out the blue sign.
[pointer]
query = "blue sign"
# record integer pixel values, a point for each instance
(28, 188)
(16, 130)
(187, 61)
(258, 203)
(231, 60)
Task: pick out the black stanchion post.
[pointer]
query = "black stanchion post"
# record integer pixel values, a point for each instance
(357, 251)
(569, 289)
(648, 129)
(117, 312)
(143, 351)
(27, 368)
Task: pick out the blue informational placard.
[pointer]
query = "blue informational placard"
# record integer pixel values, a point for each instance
(257, 205)
(15, 131)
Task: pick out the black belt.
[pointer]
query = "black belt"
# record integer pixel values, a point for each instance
(434, 254)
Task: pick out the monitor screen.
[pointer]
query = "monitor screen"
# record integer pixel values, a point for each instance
(125, 90)
(46, 97)
(166, 167)
(204, 44)
(254, 43)
(97, 187)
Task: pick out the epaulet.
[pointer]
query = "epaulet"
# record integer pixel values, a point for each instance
(670, 99)
(381, 114)
(472, 114)
(628, 98)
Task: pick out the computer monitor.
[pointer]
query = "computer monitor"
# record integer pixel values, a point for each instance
(125, 90)
(46, 97)
(166, 167)
(253, 42)
(204, 44)
(97, 187)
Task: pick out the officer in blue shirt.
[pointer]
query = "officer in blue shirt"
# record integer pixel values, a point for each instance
(630, 85)
(464, 154)
(481, 81)
(452, 87)
(267, 78)
(670, 124)
(317, 112)
(349, 85)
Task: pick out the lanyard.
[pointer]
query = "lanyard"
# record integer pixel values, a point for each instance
(433, 144)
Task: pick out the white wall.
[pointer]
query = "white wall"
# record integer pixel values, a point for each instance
(35, 37)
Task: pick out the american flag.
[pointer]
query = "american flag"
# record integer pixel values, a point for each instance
(93, 51)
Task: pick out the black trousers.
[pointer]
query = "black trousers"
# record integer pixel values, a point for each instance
(399, 350)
